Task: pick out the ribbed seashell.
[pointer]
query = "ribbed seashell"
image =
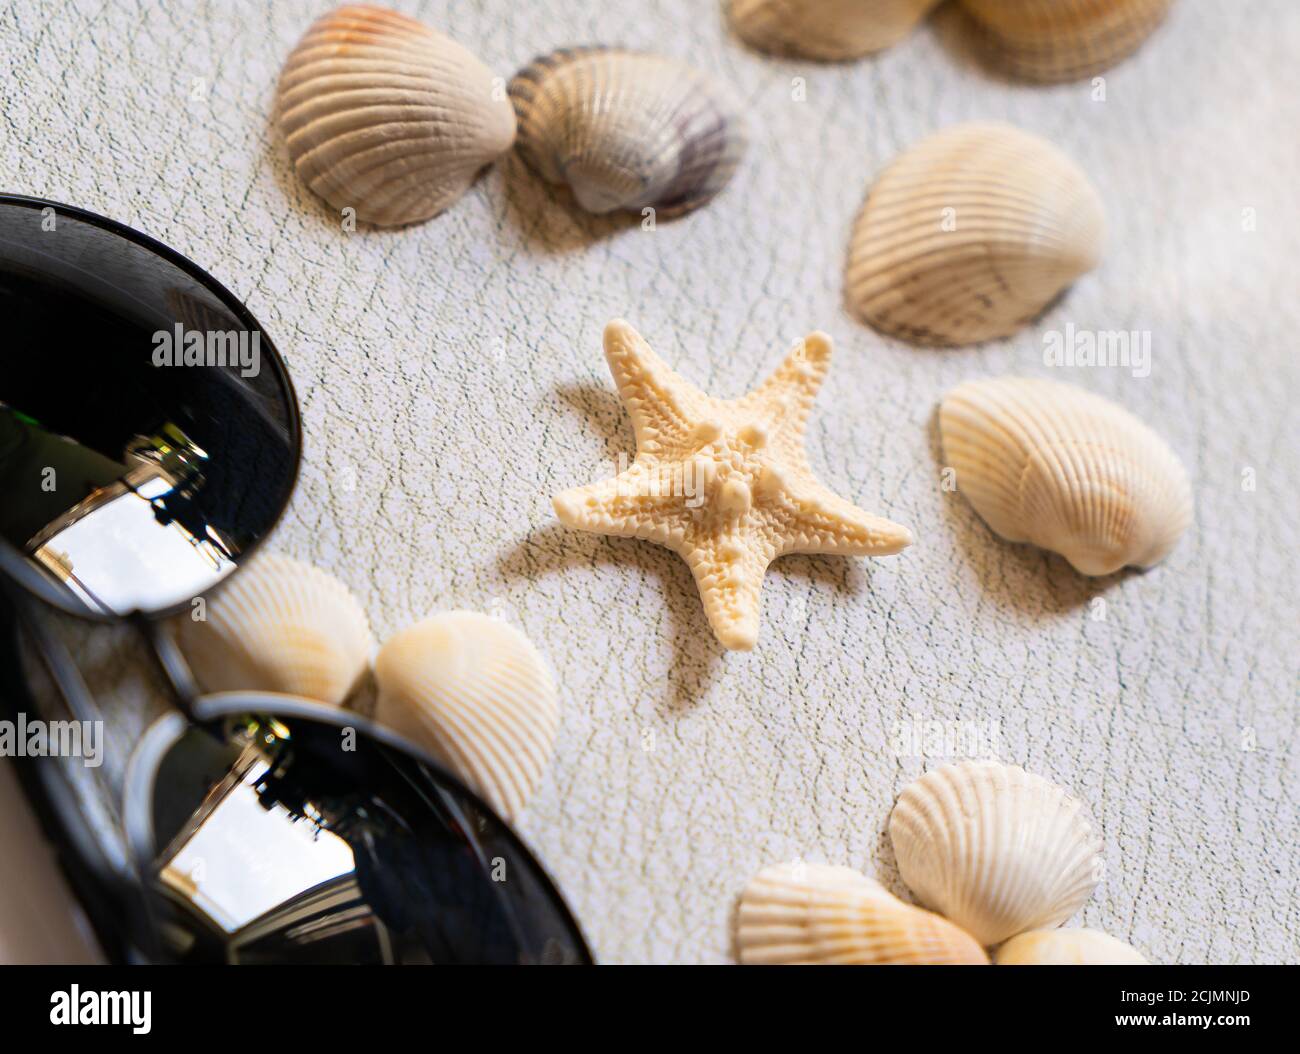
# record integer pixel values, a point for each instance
(971, 233)
(1051, 464)
(995, 849)
(278, 625)
(1062, 40)
(626, 130)
(473, 691)
(817, 914)
(830, 30)
(386, 116)
(1067, 948)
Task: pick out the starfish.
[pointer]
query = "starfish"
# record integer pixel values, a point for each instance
(725, 483)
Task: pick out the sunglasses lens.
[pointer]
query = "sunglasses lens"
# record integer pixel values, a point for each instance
(148, 434)
(279, 839)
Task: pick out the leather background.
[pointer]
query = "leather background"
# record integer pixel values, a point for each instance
(451, 380)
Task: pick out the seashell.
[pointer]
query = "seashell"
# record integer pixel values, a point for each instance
(626, 130)
(386, 116)
(1051, 464)
(475, 692)
(1067, 948)
(826, 29)
(971, 233)
(995, 849)
(279, 625)
(816, 914)
(1062, 40)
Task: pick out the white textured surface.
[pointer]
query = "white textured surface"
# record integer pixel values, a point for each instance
(451, 380)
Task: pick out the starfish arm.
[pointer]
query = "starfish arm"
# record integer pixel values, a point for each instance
(663, 405)
(638, 503)
(729, 574)
(783, 401)
(814, 519)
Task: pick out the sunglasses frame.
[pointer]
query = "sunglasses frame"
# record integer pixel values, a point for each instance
(13, 564)
(165, 731)
(56, 803)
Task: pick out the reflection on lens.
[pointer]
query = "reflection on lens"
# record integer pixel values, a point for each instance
(147, 432)
(238, 861)
(126, 546)
(283, 840)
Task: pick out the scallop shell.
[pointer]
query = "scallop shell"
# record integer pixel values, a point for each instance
(386, 116)
(995, 849)
(817, 914)
(475, 692)
(1062, 40)
(826, 29)
(626, 130)
(970, 234)
(278, 625)
(1067, 948)
(1051, 464)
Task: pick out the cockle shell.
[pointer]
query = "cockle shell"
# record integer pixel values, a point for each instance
(995, 849)
(278, 625)
(826, 29)
(816, 914)
(971, 233)
(386, 116)
(1067, 948)
(1062, 40)
(626, 130)
(1051, 464)
(474, 691)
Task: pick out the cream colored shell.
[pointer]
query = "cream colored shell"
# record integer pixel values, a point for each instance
(816, 914)
(970, 234)
(388, 117)
(1061, 40)
(278, 625)
(725, 483)
(826, 29)
(627, 130)
(1051, 464)
(473, 691)
(995, 849)
(1067, 948)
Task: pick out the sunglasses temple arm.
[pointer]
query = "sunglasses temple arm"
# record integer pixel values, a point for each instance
(172, 663)
(72, 687)
(99, 857)
(61, 668)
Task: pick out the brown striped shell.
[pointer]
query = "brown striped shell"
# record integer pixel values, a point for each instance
(386, 116)
(830, 30)
(626, 130)
(970, 234)
(1063, 40)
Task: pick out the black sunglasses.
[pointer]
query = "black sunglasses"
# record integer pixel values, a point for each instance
(149, 442)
